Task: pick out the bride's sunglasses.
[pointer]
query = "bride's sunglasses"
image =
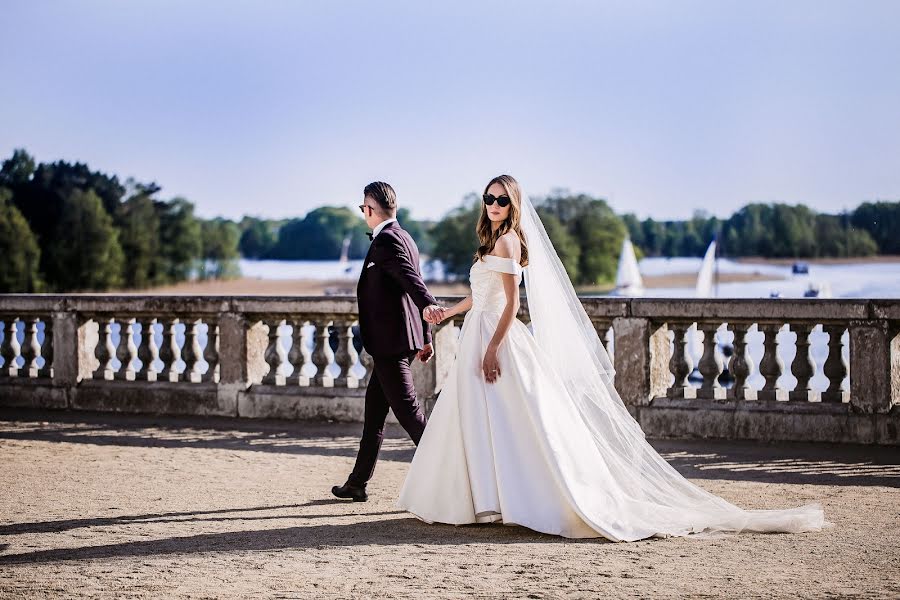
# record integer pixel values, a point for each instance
(501, 201)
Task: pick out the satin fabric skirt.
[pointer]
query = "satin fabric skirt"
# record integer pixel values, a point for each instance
(517, 451)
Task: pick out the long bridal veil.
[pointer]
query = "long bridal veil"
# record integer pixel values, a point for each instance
(650, 496)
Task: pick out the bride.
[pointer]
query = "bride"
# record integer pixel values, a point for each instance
(528, 428)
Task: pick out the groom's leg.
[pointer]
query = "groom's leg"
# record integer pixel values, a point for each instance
(373, 432)
(395, 375)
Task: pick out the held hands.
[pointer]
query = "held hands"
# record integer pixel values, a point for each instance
(490, 365)
(434, 314)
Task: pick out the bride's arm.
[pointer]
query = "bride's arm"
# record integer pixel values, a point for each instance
(505, 248)
(459, 308)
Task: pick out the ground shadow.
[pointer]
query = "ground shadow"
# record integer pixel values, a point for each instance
(180, 517)
(386, 532)
(169, 431)
(782, 462)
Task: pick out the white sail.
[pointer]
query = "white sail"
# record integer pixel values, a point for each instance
(704, 290)
(345, 250)
(705, 277)
(628, 277)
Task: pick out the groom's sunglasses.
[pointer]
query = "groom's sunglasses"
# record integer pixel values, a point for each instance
(501, 201)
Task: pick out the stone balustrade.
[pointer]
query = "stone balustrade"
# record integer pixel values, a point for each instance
(806, 370)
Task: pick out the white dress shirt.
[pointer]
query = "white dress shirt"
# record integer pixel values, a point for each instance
(381, 225)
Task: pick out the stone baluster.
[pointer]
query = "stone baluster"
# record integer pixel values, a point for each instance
(9, 349)
(31, 348)
(680, 365)
(211, 352)
(322, 354)
(835, 367)
(803, 367)
(47, 350)
(295, 354)
(191, 354)
(741, 364)
(271, 356)
(770, 365)
(169, 353)
(710, 365)
(147, 351)
(104, 350)
(602, 327)
(345, 356)
(368, 363)
(126, 351)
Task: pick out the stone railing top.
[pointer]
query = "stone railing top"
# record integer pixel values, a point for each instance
(776, 310)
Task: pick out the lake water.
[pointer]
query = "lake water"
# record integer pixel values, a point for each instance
(859, 280)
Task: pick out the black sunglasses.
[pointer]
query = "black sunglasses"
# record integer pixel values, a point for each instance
(502, 200)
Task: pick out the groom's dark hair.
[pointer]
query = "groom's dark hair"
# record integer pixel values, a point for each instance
(383, 194)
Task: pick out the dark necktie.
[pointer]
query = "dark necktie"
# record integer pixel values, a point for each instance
(371, 237)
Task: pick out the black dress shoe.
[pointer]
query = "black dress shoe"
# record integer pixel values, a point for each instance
(353, 492)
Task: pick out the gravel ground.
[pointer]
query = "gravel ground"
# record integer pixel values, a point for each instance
(149, 507)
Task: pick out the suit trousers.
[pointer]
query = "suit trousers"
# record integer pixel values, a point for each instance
(390, 387)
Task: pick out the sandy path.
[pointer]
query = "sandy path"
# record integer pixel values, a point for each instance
(133, 506)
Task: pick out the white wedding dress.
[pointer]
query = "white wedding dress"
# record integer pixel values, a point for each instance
(525, 451)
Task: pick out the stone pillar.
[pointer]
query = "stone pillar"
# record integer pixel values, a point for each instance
(874, 363)
(65, 350)
(640, 360)
(232, 360)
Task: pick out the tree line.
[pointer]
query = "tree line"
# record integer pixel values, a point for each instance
(588, 235)
(65, 227)
(775, 231)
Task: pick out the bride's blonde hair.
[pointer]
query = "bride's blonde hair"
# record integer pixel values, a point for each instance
(487, 237)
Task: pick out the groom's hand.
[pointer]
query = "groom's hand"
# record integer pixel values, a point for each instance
(433, 314)
(426, 353)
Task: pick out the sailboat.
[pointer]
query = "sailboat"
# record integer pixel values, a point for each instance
(705, 276)
(345, 255)
(628, 276)
(706, 280)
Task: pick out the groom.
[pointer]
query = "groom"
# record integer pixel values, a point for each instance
(392, 302)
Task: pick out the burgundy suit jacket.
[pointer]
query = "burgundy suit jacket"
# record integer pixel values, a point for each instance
(391, 295)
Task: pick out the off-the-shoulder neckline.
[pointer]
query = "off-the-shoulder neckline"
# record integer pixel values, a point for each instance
(500, 257)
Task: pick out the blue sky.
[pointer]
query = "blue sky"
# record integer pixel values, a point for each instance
(273, 108)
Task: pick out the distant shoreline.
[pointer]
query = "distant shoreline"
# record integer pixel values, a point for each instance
(878, 259)
(347, 287)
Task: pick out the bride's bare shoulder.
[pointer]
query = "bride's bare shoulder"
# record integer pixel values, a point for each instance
(508, 246)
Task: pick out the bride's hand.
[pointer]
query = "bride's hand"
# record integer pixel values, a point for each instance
(490, 365)
(434, 314)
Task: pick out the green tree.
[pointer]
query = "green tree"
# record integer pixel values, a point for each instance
(565, 245)
(181, 243)
(454, 237)
(653, 237)
(835, 237)
(17, 170)
(220, 248)
(882, 221)
(320, 235)
(635, 229)
(416, 229)
(595, 228)
(19, 266)
(138, 222)
(258, 237)
(86, 254)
